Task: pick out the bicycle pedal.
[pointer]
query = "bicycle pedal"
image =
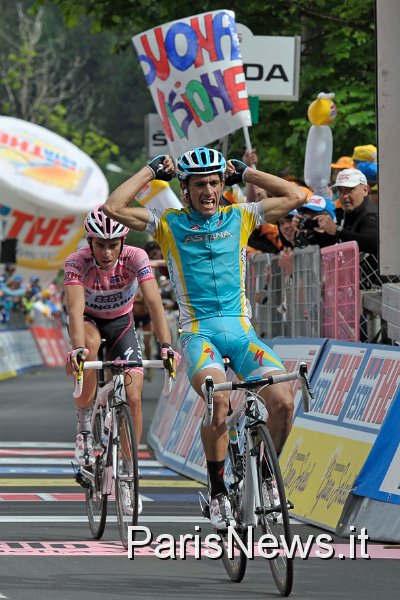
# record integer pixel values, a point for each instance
(79, 477)
(204, 506)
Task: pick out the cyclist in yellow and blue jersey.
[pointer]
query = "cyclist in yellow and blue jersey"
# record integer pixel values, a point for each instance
(204, 245)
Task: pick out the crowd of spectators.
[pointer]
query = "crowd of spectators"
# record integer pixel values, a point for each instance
(22, 301)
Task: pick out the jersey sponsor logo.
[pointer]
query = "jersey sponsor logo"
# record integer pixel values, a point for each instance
(145, 271)
(195, 228)
(209, 351)
(70, 264)
(259, 357)
(109, 298)
(101, 307)
(207, 237)
(71, 276)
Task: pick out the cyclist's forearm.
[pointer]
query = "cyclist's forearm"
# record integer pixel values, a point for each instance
(76, 329)
(160, 324)
(117, 205)
(161, 329)
(275, 186)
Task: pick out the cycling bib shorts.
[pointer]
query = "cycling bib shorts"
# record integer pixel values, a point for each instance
(228, 337)
(121, 341)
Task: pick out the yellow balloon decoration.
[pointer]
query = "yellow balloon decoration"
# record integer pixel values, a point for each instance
(323, 110)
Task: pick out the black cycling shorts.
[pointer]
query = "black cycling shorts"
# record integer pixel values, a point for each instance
(121, 341)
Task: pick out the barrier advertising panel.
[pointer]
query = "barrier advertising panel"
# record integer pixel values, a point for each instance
(380, 476)
(354, 386)
(18, 351)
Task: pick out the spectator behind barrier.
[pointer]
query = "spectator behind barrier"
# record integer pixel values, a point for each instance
(344, 162)
(11, 293)
(365, 159)
(308, 223)
(359, 223)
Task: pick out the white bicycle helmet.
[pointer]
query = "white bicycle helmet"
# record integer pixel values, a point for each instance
(200, 161)
(98, 225)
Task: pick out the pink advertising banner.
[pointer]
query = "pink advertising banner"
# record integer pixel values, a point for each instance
(194, 71)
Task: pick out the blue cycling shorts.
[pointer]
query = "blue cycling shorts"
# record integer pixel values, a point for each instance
(211, 340)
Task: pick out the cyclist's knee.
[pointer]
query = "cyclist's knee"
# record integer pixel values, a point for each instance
(221, 406)
(279, 401)
(134, 398)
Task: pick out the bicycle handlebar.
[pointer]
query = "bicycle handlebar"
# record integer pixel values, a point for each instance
(121, 365)
(209, 387)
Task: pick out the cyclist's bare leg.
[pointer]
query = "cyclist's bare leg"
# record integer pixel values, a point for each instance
(279, 402)
(215, 437)
(133, 387)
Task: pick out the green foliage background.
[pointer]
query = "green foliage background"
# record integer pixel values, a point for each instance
(338, 55)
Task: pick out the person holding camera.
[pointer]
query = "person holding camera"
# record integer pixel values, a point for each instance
(309, 222)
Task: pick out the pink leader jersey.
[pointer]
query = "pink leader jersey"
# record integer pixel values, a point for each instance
(108, 294)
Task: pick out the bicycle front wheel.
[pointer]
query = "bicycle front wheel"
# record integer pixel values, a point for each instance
(96, 501)
(233, 557)
(274, 514)
(127, 481)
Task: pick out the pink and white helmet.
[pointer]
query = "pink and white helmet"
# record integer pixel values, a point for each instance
(98, 225)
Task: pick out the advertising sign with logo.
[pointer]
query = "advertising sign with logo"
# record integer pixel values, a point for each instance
(380, 476)
(156, 140)
(354, 386)
(47, 185)
(271, 64)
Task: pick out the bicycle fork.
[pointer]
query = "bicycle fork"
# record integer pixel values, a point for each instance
(251, 495)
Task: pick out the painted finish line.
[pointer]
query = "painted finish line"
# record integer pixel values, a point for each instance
(98, 548)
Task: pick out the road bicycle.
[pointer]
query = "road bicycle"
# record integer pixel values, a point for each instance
(253, 478)
(115, 470)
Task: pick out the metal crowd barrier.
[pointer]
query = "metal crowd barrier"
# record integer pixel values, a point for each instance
(285, 304)
(341, 292)
(334, 292)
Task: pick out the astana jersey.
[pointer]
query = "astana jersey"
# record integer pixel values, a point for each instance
(206, 257)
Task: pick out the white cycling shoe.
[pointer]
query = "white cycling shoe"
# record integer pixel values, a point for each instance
(220, 512)
(84, 455)
(127, 499)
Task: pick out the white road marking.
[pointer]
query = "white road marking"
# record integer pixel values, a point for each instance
(69, 445)
(110, 518)
(63, 461)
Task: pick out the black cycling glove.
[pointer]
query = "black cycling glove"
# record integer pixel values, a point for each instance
(157, 167)
(237, 175)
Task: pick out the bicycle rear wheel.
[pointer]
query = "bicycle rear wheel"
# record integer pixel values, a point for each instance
(274, 515)
(127, 481)
(96, 501)
(233, 557)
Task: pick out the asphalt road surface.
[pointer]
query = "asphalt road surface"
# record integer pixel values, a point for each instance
(46, 549)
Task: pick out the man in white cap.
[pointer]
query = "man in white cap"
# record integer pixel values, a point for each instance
(360, 216)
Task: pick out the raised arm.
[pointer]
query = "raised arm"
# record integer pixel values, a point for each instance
(117, 206)
(284, 196)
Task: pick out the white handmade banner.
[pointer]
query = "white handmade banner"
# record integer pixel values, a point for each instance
(194, 71)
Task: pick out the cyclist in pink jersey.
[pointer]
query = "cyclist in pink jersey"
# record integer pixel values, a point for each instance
(100, 282)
